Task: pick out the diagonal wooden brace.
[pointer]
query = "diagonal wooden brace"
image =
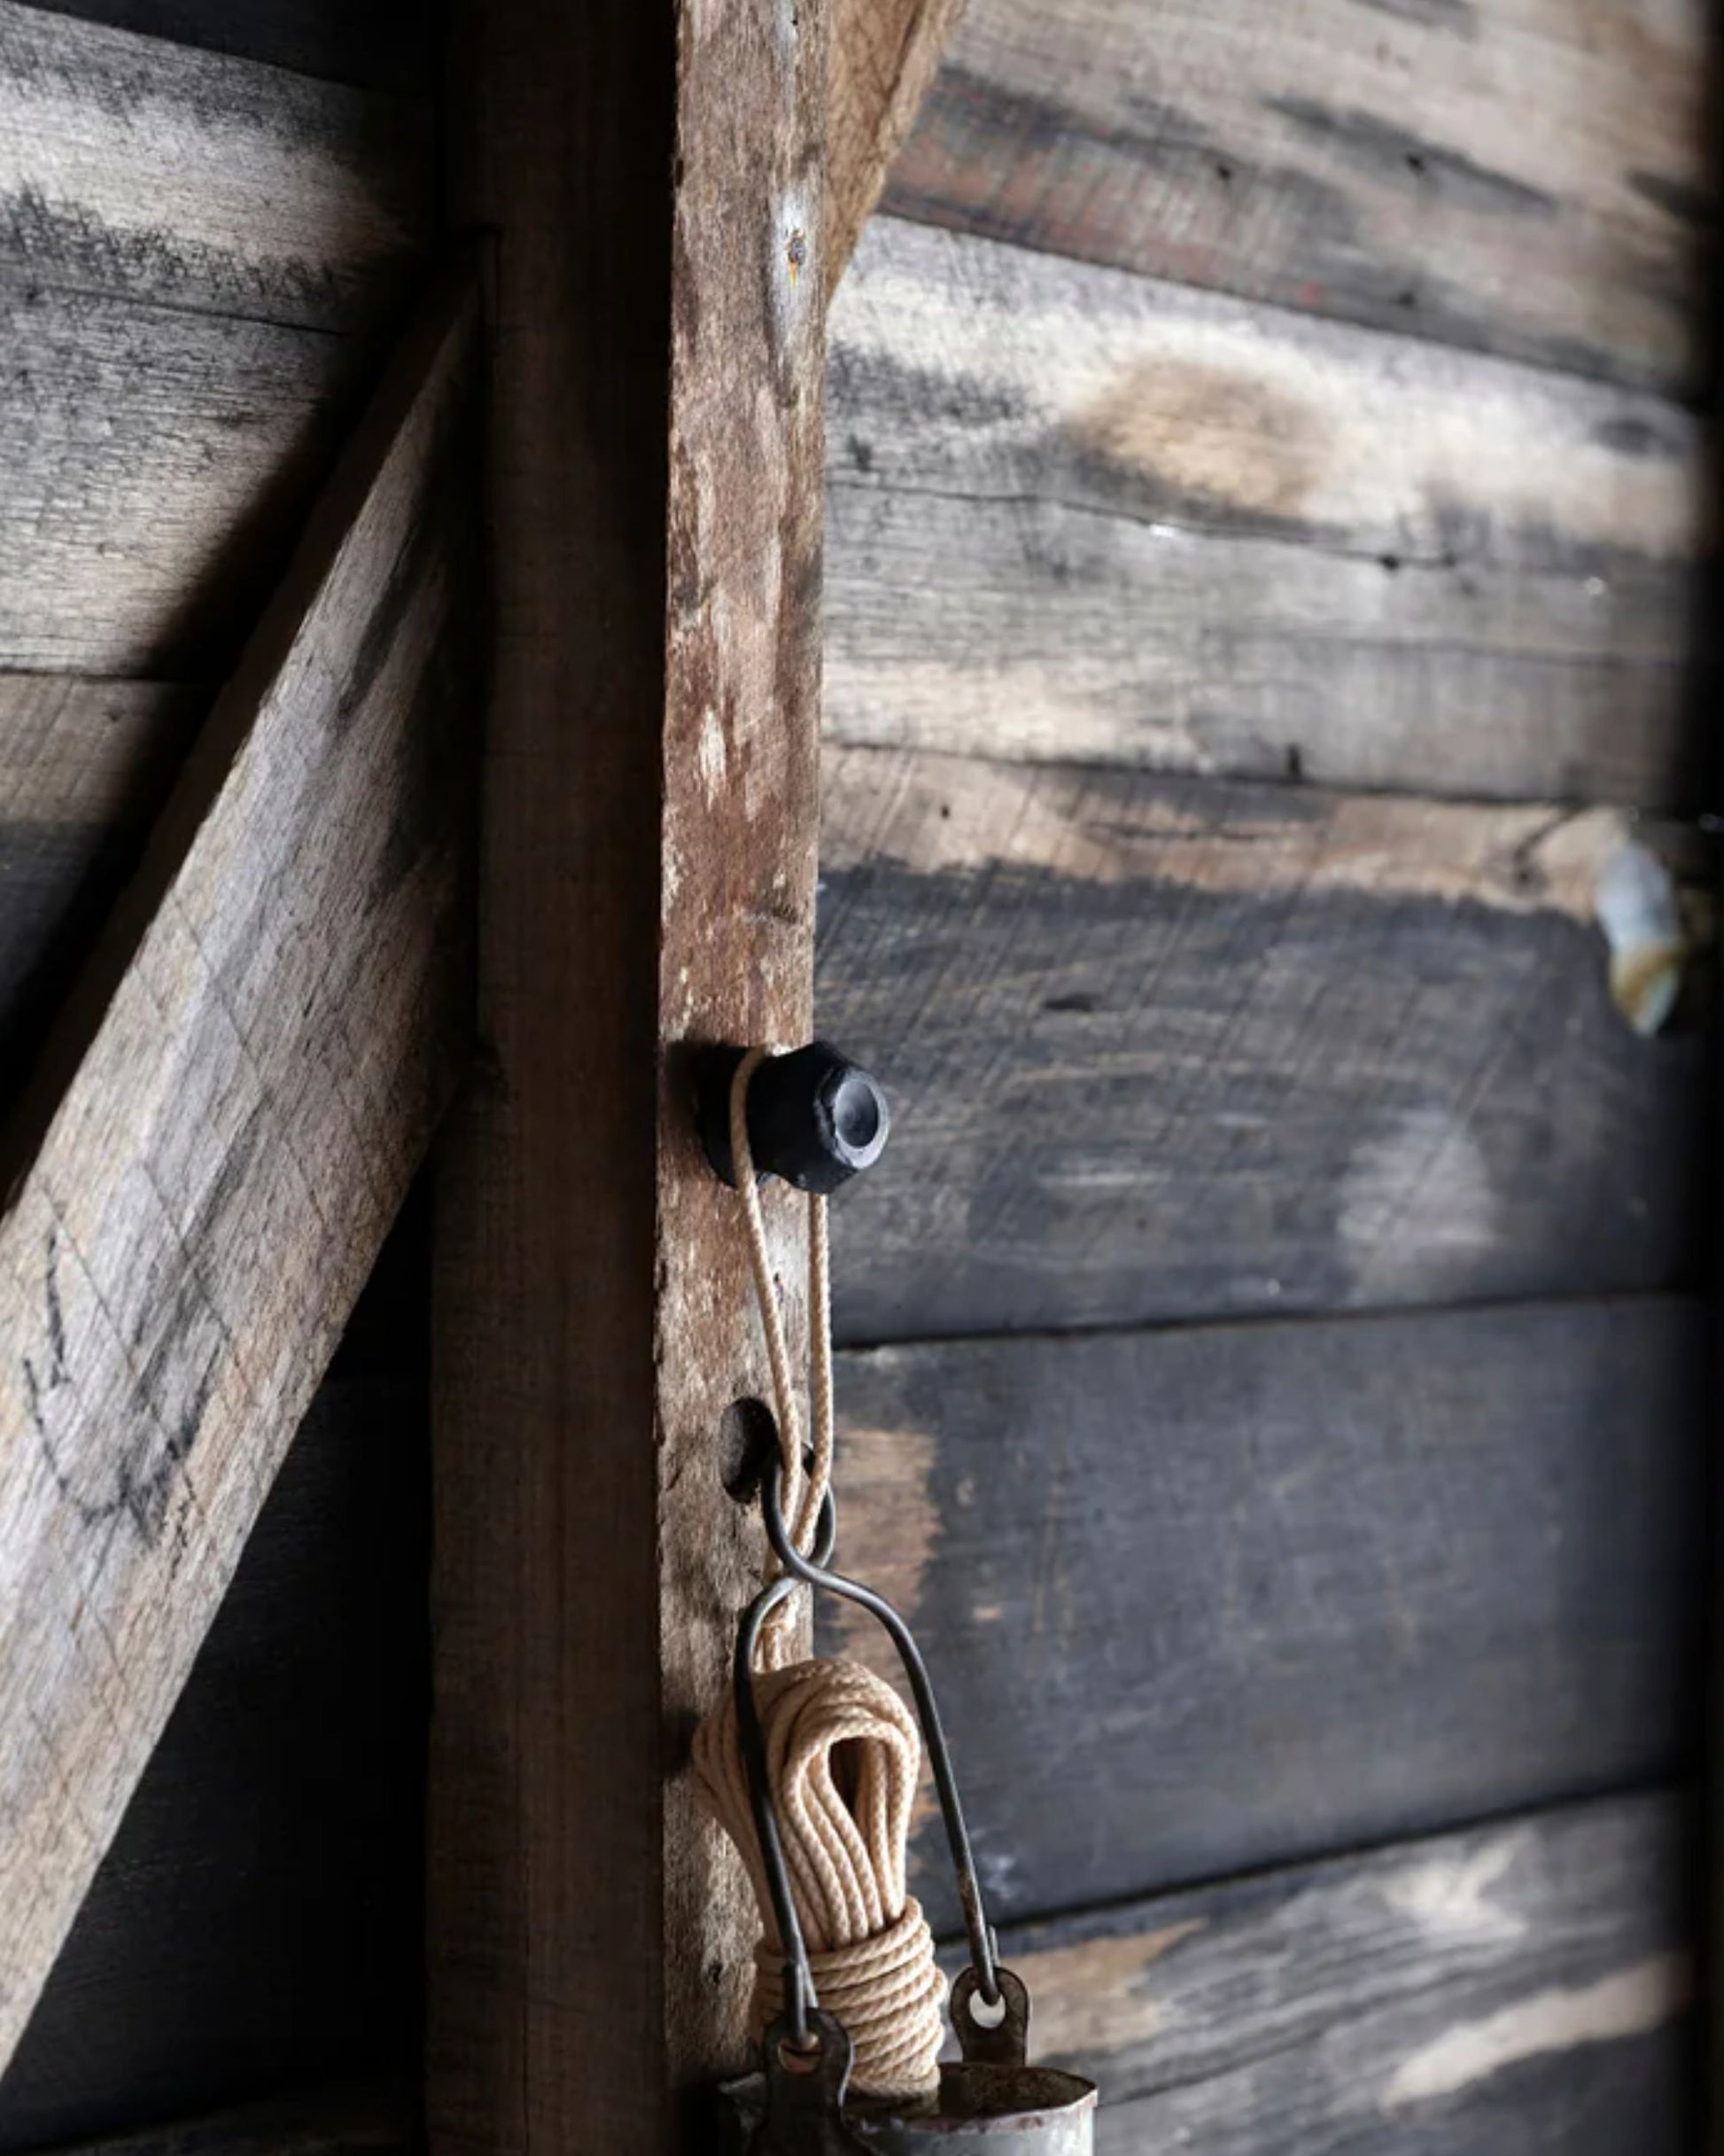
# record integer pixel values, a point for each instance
(224, 1130)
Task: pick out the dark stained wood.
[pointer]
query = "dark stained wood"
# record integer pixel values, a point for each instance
(184, 178)
(384, 44)
(1075, 513)
(224, 1131)
(1522, 1986)
(1530, 176)
(1208, 1600)
(656, 175)
(1166, 1048)
(256, 1923)
(363, 2120)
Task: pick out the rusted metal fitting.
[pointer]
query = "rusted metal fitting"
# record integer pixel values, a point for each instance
(796, 2105)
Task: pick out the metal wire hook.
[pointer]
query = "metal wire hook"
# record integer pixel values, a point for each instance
(811, 1570)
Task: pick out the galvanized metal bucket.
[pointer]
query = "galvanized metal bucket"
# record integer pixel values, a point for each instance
(1035, 2111)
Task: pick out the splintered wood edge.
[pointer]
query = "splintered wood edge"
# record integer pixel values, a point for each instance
(885, 54)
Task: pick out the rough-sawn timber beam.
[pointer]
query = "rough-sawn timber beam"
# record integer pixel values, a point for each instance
(654, 178)
(222, 1134)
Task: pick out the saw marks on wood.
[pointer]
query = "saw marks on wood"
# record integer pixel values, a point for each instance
(1079, 513)
(1527, 176)
(1164, 1048)
(1220, 1597)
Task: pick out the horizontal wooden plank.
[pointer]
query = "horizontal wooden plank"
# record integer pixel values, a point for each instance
(93, 755)
(256, 1925)
(1078, 513)
(1530, 176)
(1522, 1986)
(261, 1052)
(84, 766)
(157, 465)
(1205, 1600)
(1169, 1047)
(196, 180)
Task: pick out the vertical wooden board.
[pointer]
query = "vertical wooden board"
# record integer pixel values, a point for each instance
(260, 1057)
(1527, 176)
(651, 821)
(740, 828)
(1219, 1598)
(131, 167)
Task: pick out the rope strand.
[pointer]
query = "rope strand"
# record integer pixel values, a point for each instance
(805, 1486)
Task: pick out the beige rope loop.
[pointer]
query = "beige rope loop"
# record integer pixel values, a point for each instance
(803, 1492)
(843, 1754)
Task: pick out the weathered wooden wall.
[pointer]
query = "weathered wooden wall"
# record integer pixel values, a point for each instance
(1265, 504)
(1266, 516)
(208, 247)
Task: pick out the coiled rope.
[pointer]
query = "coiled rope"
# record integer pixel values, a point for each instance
(843, 1753)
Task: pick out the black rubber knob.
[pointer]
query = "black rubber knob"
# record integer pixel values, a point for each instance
(814, 1117)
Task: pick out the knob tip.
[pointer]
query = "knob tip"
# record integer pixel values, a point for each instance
(815, 1118)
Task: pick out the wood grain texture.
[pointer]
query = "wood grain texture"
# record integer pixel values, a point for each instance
(1529, 177)
(884, 54)
(188, 246)
(1078, 513)
(84, 766)
(158, 462)
(1524, 1986)
(256, 1924)
(651, 823)
(260, 1055)
(1209, 1599)
(1164, 1048)
(89, 754)
(190, 179)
